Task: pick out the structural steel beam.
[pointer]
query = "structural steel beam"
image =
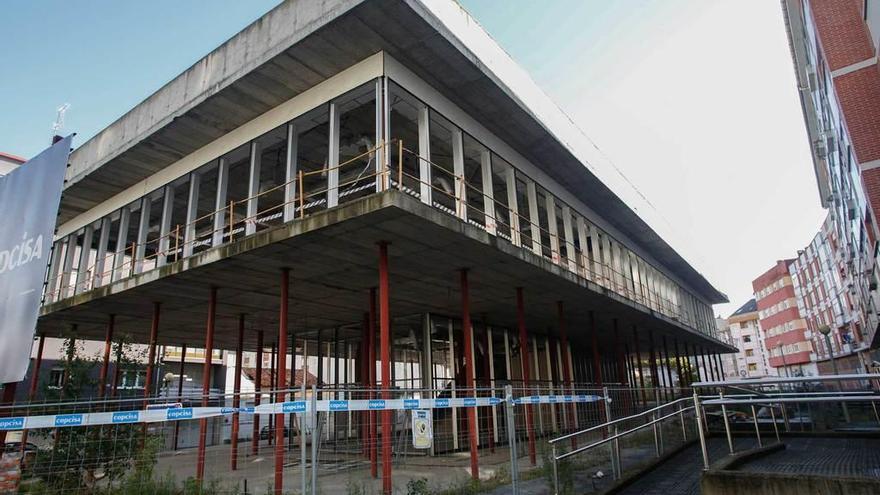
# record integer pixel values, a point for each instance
(236, 398)
(206, 384)
(467, 331)
(385, 347)
(282, 380)
(524, 356)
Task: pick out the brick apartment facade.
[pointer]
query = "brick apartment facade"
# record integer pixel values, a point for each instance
(786, 336)
(834, 49)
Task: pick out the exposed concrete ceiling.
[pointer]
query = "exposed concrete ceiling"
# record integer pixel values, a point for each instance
(333, 258)
(299, 44)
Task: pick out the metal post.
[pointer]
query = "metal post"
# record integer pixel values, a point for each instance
(206, 384)
(374, 467)
(684, 433)
(726, 424)
(524, 357)
(303, 426)
(467, 331)
(641, 370)
(699, 413)
(316, 437)
(566, 368)
(35, 379)
(236, 397)
(658, 446)
(757, 430)
(775, 428)
(105, 363)
(555, 470)
(385, 349)
(179, 392)
(151, 354)
(281, 384)
(511, 438)
(258, 395)
(615, 444)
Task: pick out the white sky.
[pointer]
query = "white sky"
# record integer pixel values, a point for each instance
(696, 103)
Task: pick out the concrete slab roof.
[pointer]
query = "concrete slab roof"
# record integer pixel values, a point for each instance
(333, 258)
(299, 44)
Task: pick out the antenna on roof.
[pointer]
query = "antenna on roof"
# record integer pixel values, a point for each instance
(59, 122)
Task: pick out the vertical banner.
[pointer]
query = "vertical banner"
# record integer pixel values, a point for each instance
(29, 199)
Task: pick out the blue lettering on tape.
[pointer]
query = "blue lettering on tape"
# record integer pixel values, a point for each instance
(411, 403)
(376, 404)
(11, 423)
(249, 410)
(582, 398)
(470, 402)
(552, 399)
(126, 417)
(568, 398)
(441, 403)
(228, 410)
(179, 413)
(494, 401)
(339, 405)
(69, 420)
(296, 406)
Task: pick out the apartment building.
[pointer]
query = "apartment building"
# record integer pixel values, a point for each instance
(743, 331)
(834, 50)
(786, 337)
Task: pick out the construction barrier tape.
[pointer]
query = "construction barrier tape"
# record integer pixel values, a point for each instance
(158, 415)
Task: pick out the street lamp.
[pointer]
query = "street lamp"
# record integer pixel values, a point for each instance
(826, 331)
(782, 353)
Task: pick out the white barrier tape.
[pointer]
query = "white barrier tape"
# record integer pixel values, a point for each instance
(295, 407)
(116, 418)
(302, 406)
(557, 399)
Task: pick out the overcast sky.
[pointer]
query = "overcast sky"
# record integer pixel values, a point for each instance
(695, 102)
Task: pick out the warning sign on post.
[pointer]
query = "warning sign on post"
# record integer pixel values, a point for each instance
(423, 429)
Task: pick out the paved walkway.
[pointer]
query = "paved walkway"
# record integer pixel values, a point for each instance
(858, 457)
(680, 474)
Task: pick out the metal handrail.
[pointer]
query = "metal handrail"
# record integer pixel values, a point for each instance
(616, 436)
(618, 420)
(792, 379)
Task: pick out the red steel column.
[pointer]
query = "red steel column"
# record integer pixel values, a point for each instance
(639, 363)
(467, 331)
(655, 377)
(105, 364)
(364, 356)
(385, 346)
(151, 354)
(374, 465)
(282, 380)
(236, 398)
(621, 367)
(258, 395)
(597, 362)
(8, 399)
(180, 391)
(524, 357)
(206, 384)
(35, 379)
(566, 369)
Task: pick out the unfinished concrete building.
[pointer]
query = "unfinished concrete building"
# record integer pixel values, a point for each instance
(376, 182)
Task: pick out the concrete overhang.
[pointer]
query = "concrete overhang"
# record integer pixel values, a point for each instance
(333, 258)
(299, 44)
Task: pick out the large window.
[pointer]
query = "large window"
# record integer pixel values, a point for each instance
(443, 169)
(268, 209)
(312, 145)
(358, 157)
(404, 124)
(475, 156)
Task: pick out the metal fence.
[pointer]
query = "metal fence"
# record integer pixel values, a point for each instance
(332, 440)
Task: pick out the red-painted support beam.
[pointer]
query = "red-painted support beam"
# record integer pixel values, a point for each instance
(180, 373)
(597, 359)
(374, 444)
(652, 355)
(566, 368)
(467, 331)
(151, 353)
(206, 384)
(282, 380)
(236, 398)
(8, 399)
(640, 368)
(385, 347)
(621, 367)
(105, 362)
(35, 379)
(524, 357)
(258, 394)
(364, 359)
